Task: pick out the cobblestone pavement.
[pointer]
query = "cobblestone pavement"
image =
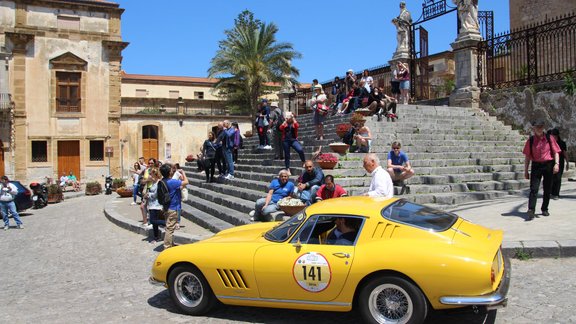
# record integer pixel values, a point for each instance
(71, 265)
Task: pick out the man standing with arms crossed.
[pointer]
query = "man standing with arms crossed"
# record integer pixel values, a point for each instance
(542, 151)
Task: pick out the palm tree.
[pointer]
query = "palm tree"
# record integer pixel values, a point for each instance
(248, 59)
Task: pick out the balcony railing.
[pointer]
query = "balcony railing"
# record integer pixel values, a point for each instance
(167, 111)
(5, 101)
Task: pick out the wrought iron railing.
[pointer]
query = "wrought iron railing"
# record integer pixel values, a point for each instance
(5, 101)
(539, 53)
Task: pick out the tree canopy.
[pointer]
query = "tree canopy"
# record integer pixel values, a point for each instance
(248, 59)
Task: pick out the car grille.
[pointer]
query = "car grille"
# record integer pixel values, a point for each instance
(232, 278)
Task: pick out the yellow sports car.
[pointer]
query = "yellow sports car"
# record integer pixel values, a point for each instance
(391, 258)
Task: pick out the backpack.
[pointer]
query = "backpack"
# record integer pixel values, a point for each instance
(547, 140)
(163, 195)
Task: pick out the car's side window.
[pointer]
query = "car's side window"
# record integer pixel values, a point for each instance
(333, 229)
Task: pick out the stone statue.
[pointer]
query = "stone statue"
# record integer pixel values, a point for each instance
(402, 23)
(468, 14)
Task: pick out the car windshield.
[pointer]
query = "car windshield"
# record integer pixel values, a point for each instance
(428, 218)
(283, 231)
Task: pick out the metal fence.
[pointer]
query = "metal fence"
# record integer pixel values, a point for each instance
(539, 53)
(5, 101)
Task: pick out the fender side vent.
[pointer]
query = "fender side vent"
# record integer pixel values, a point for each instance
(232, 278)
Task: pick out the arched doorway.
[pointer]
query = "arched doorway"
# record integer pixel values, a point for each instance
(150, 141)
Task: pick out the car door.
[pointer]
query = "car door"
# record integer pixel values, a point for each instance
(302, 269)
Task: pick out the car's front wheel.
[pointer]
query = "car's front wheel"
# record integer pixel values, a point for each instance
(190, 290)
(392, 300)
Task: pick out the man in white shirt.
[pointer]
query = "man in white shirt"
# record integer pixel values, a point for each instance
(381, 185)
(8, 192)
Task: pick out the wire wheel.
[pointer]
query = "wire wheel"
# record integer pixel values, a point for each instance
(389, 303)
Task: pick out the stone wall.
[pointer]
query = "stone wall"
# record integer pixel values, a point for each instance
(525, 12)
(520, 107)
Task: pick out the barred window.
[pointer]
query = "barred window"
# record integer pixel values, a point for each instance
(198, 95)
(96, 150)
(39, 151)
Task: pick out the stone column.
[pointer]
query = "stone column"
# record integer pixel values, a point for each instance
(467, 92)
(114, 50)
(20, 154)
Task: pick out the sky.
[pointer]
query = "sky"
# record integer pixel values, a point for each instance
(180, 37)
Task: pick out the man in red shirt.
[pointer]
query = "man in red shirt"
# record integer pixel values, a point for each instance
(543, 152)
(330, 190)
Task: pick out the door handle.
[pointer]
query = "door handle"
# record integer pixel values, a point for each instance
(341, 255)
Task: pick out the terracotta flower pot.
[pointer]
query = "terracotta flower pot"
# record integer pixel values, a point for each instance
(329, 165)
(124, 192)
(55, 198)
(339, 148)
(291, 210)
(363, 111)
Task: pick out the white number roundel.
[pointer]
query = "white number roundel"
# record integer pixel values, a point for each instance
(312, 272)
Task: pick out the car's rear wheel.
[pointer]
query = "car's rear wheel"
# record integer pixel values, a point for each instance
(392, 300)
(190, 290)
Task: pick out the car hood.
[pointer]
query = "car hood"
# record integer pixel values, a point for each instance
(244, 233)
(476, 237)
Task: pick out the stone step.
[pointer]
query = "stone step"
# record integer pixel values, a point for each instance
(213, 203)
(204, 219)
(456, 198)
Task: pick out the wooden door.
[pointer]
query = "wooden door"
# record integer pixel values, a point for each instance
(150, 142)
(69, 158)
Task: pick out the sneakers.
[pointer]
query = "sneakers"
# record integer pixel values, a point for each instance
(555, 197)
(6, 228)
(267, 147)
(259, 147)
(251, 213)
(21, 226)
(133, 203)
(545, 213)
(229, 177)
(530, 214)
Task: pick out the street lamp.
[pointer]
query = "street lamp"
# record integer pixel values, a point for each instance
(122, 142)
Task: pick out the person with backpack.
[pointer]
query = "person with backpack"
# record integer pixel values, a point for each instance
(169, 196)
(154, 208)
(542, 151)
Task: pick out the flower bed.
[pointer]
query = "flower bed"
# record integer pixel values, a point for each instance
(327, 160)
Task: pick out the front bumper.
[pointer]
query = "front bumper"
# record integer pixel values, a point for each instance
(493, 300)
(155, 282)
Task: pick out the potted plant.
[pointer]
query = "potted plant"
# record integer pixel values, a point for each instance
(117, 183)
(339, 147)
(291, 206)
(55, 193)
(93, 188)
(327, 160)
(124, 192)
(190, 158)
(342, 129)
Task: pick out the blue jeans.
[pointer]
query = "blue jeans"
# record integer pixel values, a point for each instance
(307, 196)
(296, 145)
(135, 191)
(229, 160)
(264, 214)
(9, 207)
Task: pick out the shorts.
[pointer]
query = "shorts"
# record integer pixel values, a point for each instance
(405, 85)
(318, 119)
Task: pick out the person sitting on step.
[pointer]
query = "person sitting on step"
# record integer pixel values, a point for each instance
(399, 166)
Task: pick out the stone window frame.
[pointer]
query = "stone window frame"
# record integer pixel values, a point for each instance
(62, 78)
(67, 62)
(199, 95)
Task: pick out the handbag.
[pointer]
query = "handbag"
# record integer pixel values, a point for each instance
(322, 109)
(184, 196)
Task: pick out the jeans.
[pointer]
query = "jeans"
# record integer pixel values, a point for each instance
(209, 167)
(135, 191)
(229, 160)
(296, 145)
(307, 196)
(539, 171)
(264, 214)
(156, 221)
(9, 207)
(263, 135)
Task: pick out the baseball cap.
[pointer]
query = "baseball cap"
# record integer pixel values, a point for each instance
(538, 122)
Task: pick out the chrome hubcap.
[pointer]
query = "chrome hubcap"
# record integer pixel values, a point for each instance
(188, 289)
(390, 303)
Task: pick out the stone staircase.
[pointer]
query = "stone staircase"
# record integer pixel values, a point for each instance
(459, 155)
